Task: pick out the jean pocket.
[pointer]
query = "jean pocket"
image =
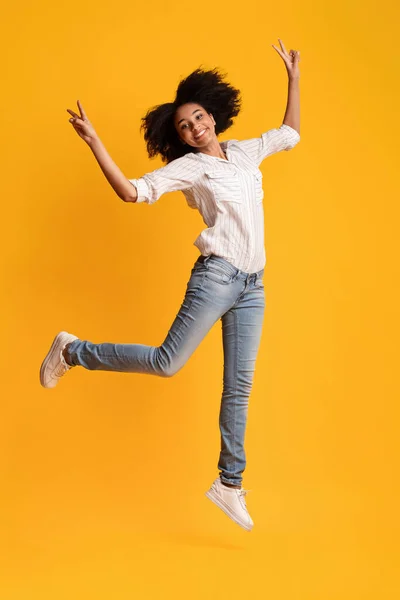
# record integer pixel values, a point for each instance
(219, 273)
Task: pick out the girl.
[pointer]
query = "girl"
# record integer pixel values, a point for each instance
(222, 180)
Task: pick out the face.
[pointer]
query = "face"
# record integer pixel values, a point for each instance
(194, 125)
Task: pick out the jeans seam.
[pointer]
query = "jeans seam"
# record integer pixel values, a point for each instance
(200, 287)
(236, 316)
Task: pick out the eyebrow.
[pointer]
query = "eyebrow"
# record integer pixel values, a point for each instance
(192, 114)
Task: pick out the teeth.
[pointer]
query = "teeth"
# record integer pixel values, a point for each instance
(198, 136)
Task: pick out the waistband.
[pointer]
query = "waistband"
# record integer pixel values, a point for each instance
(219, 259)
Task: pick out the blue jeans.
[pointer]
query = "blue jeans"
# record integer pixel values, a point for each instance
(216, 290)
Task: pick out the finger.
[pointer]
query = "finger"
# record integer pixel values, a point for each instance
(76, 122)
(286, 59)
(282, 46)
(278, 51)
(295, 55)
(81, 109)
(73, 113)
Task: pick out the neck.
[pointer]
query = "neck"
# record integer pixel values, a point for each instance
(213, 149)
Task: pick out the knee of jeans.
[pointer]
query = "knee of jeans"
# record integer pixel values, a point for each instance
(167, 367)
(171, 369)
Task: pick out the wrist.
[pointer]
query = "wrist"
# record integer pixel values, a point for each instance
(94, 141)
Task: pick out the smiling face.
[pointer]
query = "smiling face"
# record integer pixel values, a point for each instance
(194, 125)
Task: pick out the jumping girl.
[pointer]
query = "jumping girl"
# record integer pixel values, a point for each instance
(222, 180)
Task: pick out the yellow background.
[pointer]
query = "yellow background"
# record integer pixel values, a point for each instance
(103, 478)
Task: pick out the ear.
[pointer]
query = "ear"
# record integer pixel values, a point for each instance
(212, 119)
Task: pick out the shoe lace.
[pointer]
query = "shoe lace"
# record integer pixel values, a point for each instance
(61, 368)
(242, 493)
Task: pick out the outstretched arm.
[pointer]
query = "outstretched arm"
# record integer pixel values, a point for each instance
(291, 60)
(121, 185)
(287, 135)
(112, 172)
(179, 174)
(292, 114)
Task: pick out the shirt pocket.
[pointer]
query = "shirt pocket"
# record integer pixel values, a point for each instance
(225, 184)
(258, 184)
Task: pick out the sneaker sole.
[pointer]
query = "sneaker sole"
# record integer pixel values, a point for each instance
(221, 504)
(58, 342)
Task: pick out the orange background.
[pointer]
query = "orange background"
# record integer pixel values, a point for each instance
(104, 477)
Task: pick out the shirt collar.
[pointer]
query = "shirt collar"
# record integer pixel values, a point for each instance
(225, 147)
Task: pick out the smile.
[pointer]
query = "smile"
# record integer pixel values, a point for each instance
(196, 137)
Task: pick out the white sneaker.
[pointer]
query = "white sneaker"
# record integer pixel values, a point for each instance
(232, 502)
(54, 365)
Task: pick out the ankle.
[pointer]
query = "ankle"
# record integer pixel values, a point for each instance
(236, 487)
(64, 353)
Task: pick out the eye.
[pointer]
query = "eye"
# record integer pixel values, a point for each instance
(199, 115)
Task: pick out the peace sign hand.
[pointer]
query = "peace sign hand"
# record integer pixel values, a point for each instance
(290, 59)
(82, 125)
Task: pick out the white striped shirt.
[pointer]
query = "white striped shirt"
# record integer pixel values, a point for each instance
(227, 193)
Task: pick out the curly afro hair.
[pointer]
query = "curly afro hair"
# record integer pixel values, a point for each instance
(206, 88)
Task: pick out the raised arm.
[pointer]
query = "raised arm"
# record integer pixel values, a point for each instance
(121, 185)
(287, 135)
(292, 114)
(291, 60)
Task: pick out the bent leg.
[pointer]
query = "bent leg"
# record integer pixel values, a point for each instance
(198, 313)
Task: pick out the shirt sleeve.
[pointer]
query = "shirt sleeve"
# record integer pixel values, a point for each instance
(270, 142)
(177, 175)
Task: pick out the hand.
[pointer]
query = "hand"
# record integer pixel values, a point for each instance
(82, 125)
(291, 60)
